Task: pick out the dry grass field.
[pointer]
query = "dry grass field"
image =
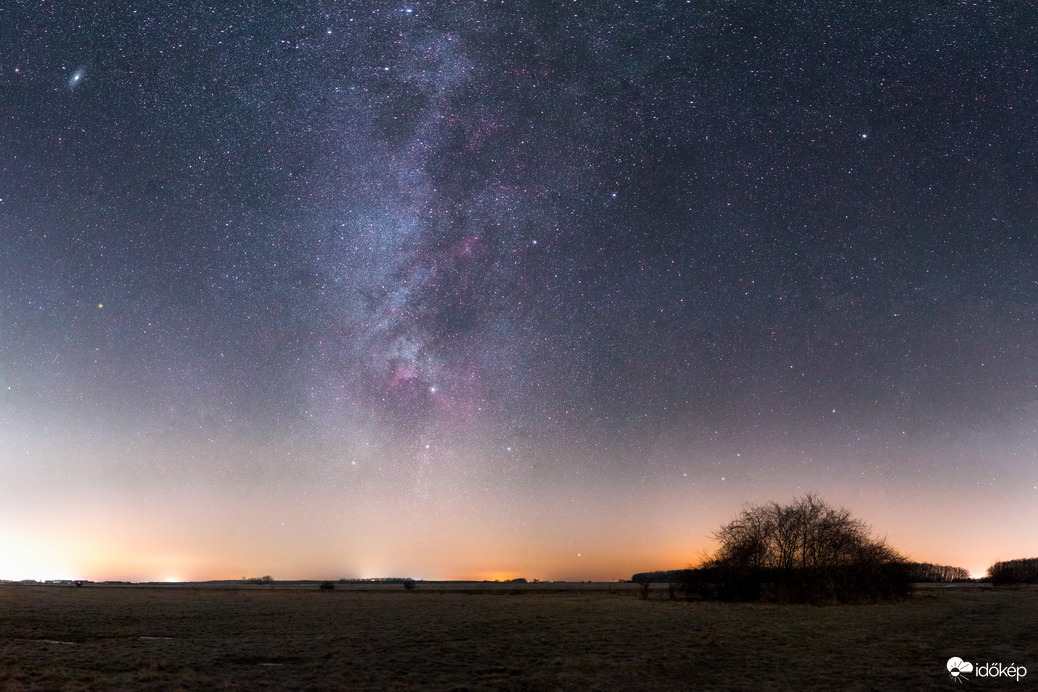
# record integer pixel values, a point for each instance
(574, 638)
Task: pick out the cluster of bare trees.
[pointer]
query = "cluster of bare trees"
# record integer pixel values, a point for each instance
(807, 534)
(807, 551)
(925, 571)
(1023, 571)
(266, 579)
(810, 551)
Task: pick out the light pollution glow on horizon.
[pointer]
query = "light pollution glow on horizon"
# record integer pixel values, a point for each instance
(610, 533)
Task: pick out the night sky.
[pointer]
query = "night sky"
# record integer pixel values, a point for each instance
(497, 289)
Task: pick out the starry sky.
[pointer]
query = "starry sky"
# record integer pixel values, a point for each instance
(497, 289)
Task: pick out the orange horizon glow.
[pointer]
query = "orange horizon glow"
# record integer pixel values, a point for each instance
(86, 555)
(562, 531)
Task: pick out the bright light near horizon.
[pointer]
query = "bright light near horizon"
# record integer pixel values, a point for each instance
(21, 559)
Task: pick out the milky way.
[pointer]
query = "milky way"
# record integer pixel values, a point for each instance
(545, 269)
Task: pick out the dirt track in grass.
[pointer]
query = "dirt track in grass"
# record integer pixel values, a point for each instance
(143, 638)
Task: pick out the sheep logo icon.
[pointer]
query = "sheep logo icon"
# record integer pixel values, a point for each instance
(956, 667)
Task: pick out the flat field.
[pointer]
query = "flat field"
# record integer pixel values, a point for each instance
(536, 637)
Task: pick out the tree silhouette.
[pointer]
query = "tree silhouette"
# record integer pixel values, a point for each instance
(1022, 571)
(805, 551)
(928, 572)
(808, 534)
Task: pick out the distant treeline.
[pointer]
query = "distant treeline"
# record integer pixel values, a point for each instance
(917, 572)
(1023, 571)
(928, 572)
